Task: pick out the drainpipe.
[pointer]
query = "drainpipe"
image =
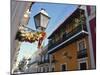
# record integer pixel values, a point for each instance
(90, 40)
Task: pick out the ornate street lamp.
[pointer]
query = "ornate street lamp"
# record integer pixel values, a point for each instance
(41, 20)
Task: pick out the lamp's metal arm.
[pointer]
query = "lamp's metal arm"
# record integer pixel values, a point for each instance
(29, 28)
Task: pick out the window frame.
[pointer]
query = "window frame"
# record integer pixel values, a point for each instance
(53, 66)
(80, 42)
(65, 66)
(82, 60)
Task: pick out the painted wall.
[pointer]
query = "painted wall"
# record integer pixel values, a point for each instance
(17, 12)
(71, 49)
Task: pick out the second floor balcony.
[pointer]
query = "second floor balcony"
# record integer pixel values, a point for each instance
(76, 33)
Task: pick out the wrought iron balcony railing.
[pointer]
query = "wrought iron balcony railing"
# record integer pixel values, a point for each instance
(43, 62)
(40, 62)
(46, 61)
(66, 36)
(82, 53)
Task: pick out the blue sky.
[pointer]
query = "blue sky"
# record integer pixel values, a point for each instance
(57, 12)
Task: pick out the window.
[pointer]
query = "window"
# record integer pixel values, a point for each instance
(47, 69)
(82, 51)
(41, 69)
(63, 67)
(53, 39)
(76, 22)
(64, 35)
(83, 66)
(67, 29)
(82, 45)
(57, 37)
(52, 69)
(38, 69)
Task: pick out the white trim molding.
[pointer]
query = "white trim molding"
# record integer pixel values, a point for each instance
(63, 64)
(82, 60)
(81, 41)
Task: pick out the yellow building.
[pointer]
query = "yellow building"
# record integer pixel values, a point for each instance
(68, 44)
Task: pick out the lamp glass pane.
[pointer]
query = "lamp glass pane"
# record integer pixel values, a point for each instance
(37, 20)
(44, 21)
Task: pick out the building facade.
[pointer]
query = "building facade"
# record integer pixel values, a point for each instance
(72, 46)
(39, 62)
(69, 46)
(33, 64)
(44, 62)
(18, 11)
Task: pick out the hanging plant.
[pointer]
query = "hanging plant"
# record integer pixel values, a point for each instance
(31, 37)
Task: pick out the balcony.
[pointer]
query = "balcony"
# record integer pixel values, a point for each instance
(43, 62)
(82, 53)
(46, 61)
(40, 62)
(67, 36)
